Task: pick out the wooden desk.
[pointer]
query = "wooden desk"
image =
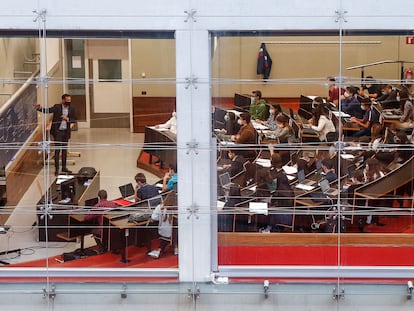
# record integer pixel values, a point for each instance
(59, 213)
(120, 233)
(162, 144)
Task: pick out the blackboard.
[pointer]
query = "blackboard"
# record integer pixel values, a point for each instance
(18, 120)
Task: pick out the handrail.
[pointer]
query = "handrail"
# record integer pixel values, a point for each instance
(402, 62)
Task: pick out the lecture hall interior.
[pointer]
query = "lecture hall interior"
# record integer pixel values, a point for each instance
(197, 155)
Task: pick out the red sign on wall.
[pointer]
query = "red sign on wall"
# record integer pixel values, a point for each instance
(409, 40)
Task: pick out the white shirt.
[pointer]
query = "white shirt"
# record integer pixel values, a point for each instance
(324, 127)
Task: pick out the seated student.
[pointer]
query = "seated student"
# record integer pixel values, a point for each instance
(246, 135)
(282, 196)
(371, 117)
(329, 170)
(164, 215)
(236, 164)
(388, 99)
(143, 190)
(350, 103)
(258, 107)
(373, 170)
(284, 132)
(322, 124)
(274, 112)
(372, 88)
(231, 127)
(171, 124)
(170, 178)
(97, 218)
(225, 217)
(407, 109)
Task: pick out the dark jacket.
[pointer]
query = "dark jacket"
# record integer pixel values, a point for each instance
(56, 120)
(264, 62)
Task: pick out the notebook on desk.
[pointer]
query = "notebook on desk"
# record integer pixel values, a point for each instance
(127, 192)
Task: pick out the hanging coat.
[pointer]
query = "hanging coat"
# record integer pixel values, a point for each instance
(264, 62)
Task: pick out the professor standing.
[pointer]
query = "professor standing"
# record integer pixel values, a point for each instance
(63, 116)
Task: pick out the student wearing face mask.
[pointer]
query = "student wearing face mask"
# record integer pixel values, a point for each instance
(257, 108)
(407, 109)
(246, 135)
(388, 99)
(231, 127)
(370, 118)
(274, 111)
(350, 103)
(284, 132)
(322, 124)
(372, 88)
(171, 124)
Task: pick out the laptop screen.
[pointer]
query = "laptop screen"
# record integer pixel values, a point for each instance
(351, 169)
(225, 179)
(324, 183)
(127, 190)
(91, 202)
(301, 175)
(154, 202)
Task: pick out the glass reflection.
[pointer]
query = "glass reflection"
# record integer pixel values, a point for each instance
(331, 154)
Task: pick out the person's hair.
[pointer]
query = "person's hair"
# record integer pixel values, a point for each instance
(258, 93)
(318, 100)
(366, 101)
(318, 112)
(403, 97)
(102, 194)
(276, 106)
(376, 131)
(65, 95)
(327, 163)
(245, 116)
(352, 89)
(140, 177)
(173, 167)
(276, 160)
(374, 169)
(358, 175)
(169, 203)
(282, 119)
(232, 116)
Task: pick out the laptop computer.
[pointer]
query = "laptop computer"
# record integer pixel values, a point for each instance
(326, 188)
(303, 183)
(127, 192)
(91, 202)
(302, 180)
(225, 180)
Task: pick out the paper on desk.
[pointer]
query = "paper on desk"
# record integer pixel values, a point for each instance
(290, 177)
(220, 205)
(340, 113)
(61, 178)
(290, 169)
(263, 162)
(347, 156)
(226, 143)
(304, 187)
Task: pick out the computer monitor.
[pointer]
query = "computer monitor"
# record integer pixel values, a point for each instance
(242, 101)
(68, 189)
(92, 201)
(127, 190)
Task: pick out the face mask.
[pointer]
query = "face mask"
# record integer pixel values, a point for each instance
(326, 85)
(368, 85)
(362, 107)
(398, 98)
(346, 94)
(174, 114)
(240, 122)
(272, 111)
(383, 93)
(226, 117)
(252, 99)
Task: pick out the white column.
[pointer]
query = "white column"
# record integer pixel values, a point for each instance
(194, 173)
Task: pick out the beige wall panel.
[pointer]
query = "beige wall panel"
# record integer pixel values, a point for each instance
(302, 60)
(156, 59)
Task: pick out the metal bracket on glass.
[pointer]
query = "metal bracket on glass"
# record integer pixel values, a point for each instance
(123, 292)
(338, 295)
(192, 146)
(193, 293)
(191, 81)
(190, 15)
(340, 15)
(40, 14)
(192, 212)
(51, 293)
